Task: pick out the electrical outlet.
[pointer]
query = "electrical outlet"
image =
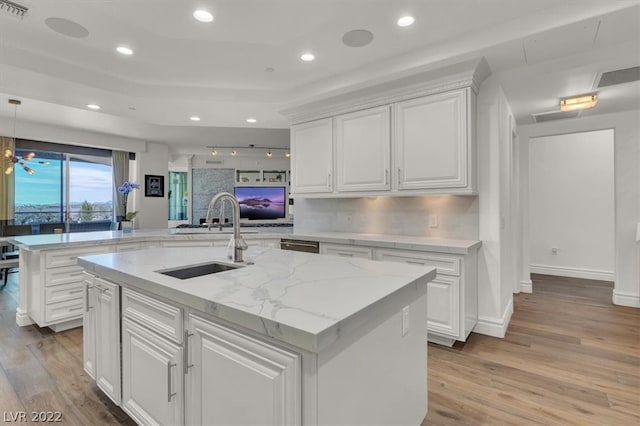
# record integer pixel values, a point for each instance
(405, 320)
(433, 221)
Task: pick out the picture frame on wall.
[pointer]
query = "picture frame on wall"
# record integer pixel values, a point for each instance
(153, 186)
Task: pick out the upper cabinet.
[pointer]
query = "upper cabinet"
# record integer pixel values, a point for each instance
(363, 150)
(411, 136)
(312, 157)
(432, 143)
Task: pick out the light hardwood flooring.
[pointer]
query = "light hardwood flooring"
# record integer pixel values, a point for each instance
(569, 357)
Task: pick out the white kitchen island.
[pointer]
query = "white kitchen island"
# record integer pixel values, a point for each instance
(293, 338)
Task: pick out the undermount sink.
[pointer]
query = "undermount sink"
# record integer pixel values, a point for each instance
(198, 270)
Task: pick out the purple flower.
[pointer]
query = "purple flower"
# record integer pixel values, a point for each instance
(127, 187)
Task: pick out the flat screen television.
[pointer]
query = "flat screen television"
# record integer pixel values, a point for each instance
(261, 202)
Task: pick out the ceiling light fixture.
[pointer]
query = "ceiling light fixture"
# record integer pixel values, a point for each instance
(10, 158)
(251, 120)
(269, 153)
(405, 21)
(287, 154)
(307, 57)
(214, 152)
(124, 50)
(93, 106)
(194, 118)
(203, 15)
(13, 8)
(578, 102)
(234, 151)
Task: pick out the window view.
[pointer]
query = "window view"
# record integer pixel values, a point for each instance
(76, 185)
(178, 196)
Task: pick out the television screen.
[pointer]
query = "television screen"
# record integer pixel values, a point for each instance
(261, 202)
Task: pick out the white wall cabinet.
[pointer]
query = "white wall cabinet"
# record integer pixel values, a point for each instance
(102, 335)
(432, 142)
(266, 379)
(363, 150)
(312, 157)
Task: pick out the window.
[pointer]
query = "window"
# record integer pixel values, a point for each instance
(178, 196)
(74, 187)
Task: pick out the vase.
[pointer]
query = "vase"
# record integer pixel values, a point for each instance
(126, 226)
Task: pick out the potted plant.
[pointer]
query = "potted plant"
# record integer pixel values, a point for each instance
(125, 189)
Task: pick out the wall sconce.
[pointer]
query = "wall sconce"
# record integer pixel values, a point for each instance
(578, 102)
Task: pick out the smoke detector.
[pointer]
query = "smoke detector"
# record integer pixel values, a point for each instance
(13, 8)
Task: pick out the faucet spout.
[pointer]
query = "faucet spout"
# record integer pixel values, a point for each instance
(237, 242)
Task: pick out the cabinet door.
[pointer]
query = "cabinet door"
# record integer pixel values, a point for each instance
(363, 147)
(431, 142)
(107, 338)
(312, 157)
(346, 250)
(236, 379)
(152, 376)
(443, 311)
(89, 328)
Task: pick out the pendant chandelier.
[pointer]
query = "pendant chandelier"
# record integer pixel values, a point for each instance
(9, 157)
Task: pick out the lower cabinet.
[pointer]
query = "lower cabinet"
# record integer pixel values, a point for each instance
(262, 383)
(101, 335)
(346, 250)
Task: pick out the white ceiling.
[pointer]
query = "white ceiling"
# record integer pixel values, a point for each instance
(540, 50)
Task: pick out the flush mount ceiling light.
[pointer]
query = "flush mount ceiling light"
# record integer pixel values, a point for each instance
(405, 21)
(251, 120)
(203, 15)
(307, 57)
(578, 102)
(10, 158)
(93, 106)
(194, 118)
(124, 50)
(13, 8)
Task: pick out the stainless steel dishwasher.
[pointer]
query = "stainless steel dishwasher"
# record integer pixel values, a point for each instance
(300, 245)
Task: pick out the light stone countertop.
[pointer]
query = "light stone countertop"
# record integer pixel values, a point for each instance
(303, 299)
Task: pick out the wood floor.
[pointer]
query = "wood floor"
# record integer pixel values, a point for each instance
(569, 357)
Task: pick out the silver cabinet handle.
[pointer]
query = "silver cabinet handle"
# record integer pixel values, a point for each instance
(329, 180)
(185, 359)
(76, 291)
(399, 176)
(386, 176)
(415, 262)
(299, 245)
(86, 298)
(169, 394)
(345, 254)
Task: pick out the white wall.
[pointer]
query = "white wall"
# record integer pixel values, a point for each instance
(572, 204)
(457, 216)
(626, 126)
(152, 211)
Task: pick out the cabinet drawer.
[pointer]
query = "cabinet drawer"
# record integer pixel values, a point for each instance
(444, 264)
(64, 311)
(60, 293)
(443, 309)
(63, 275)
(187, 243)
(129, 247)
(69, 257)
(158, 316)
(345, 250)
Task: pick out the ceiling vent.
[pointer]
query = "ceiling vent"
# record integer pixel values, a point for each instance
(612, 78)
(214, 161)
(554, 115)
(13, 8)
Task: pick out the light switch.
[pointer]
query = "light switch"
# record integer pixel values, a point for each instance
(433, 221)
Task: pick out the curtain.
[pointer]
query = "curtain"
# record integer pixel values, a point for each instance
(120, 163)
(7, 186)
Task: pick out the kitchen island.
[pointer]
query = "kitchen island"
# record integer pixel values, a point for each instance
(286, 338)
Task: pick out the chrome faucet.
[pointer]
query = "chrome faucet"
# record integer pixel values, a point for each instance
(237, 243)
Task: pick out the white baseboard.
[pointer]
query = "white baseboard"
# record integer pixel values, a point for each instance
(526, 286)
(22, 318)
(565, 271)
(626, 299)
(496, 327)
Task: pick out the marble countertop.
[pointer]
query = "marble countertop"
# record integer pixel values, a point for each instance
(444, 245)
(303, 299)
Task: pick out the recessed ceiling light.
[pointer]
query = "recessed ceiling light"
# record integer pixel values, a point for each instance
(93, 106)
(251, 120)
(307, 57)
(203, 15)
(124, 50)
(194, 118)
(405, 21)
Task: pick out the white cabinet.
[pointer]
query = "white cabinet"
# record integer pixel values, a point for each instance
(265, 380)
(432, 143)
(102, 335)
(363, 150)
(152, 376)
(452, 296)
(312, 157)
(346, 250)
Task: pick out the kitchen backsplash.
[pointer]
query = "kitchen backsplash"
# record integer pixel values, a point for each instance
(455, 216)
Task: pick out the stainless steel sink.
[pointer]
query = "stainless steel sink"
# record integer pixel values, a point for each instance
(198, 270)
